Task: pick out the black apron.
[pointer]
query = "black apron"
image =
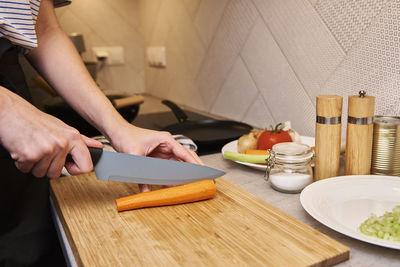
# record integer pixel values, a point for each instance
(27, 234)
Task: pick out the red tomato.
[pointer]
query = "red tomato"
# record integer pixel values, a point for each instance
(269, 138)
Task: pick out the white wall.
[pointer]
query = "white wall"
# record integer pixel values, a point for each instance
(265, 61)
(258, 61)
(109, 23)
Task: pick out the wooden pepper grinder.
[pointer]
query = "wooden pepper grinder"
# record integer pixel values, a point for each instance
(360, 129)
(328, 131)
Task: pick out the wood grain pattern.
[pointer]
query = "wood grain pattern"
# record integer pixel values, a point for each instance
(359, 137)
(358, 149)
(328, 137)
(232, 229)
(329, 105)
(361, 107)
(327, 150)
(128, 101)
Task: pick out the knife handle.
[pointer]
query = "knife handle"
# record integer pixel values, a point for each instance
(95, 154)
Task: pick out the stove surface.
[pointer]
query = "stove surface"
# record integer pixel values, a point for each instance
(160, 120)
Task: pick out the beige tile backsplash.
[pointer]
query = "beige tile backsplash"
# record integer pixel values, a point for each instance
(276, 81)
(207, 18)
(233, 95)
(109, 23)
(259, 61)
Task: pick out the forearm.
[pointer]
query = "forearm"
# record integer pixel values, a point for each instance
(5, 103)
(59, 63)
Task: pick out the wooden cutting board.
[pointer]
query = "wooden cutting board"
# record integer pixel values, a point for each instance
(233, 229)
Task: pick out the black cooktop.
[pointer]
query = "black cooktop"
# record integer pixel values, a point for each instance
(160, 120)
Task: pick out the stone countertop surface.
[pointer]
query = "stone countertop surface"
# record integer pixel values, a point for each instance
(361, 253)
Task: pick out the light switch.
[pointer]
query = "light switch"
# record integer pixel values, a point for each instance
(156, 56)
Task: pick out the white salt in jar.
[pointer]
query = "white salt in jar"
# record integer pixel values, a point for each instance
(289, 169)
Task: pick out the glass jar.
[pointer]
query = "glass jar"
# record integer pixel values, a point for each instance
(288, 167)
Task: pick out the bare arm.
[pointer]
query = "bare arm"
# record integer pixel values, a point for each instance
(58, 61)
(39, 142)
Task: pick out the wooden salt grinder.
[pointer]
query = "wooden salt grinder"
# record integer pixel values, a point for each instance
(328, 132)
(360, 129)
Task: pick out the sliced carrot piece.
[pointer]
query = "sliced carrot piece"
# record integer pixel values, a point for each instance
(256, 152)
(191, 192)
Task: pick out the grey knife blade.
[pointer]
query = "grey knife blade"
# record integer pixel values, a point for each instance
(113, 166)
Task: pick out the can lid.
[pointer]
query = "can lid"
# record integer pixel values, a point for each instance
(291, 152)
(389, 120)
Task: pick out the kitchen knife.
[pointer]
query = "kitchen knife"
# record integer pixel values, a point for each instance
(113, 166)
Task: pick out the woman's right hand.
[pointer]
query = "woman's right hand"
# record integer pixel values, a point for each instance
(39, 143)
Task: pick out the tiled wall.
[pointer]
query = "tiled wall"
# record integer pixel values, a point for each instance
(109, 23)
(265, 61)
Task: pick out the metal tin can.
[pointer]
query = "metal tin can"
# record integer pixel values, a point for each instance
(386, 146)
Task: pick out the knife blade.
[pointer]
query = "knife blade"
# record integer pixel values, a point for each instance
(114, 166)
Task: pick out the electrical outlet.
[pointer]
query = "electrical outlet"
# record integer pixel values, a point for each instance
(113, 55)
(156, 56)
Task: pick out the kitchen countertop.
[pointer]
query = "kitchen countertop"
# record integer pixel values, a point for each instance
(361, 253)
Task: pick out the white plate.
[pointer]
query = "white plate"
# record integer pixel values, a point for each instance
(343, 203)
(232, 146)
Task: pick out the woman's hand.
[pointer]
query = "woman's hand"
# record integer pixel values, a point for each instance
(38, 142)
(138, 141)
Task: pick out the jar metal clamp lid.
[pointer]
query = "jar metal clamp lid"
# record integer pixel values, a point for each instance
(288, 153)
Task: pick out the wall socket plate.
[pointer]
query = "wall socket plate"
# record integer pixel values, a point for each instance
(114, 55)
(156, 56)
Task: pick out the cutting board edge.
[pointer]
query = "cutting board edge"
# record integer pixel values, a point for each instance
(328, 261)
(66, 230)
(344, 251)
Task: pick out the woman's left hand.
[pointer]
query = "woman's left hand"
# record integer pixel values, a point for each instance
(138, 141)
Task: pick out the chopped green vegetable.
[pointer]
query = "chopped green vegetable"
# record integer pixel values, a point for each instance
(245, 157)
(385, 227)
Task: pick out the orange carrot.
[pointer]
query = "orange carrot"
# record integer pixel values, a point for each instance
(196, 191)
(256, 152)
